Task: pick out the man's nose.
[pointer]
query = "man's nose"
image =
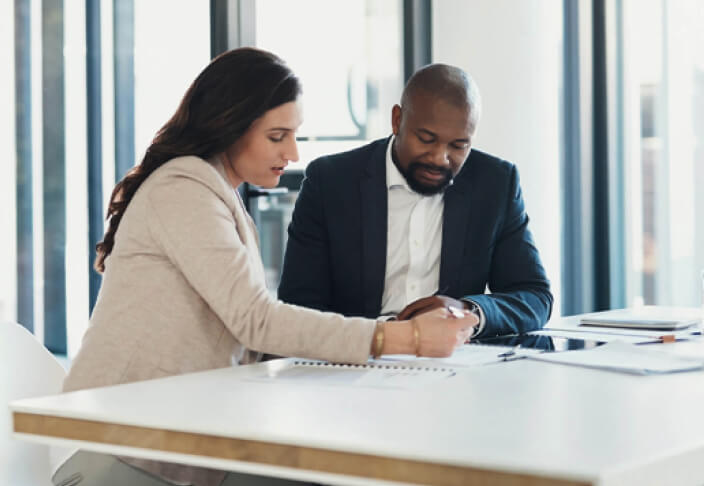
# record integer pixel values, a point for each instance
(439, 156)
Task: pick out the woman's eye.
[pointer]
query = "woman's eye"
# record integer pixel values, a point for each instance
(277, 139)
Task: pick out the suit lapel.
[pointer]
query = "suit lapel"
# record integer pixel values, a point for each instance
(374, 213)
(456, 217)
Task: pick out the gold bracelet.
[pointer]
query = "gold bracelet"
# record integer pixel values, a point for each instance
(416, 336)
(378, 340)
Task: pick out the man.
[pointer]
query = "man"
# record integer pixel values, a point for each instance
(418, 221)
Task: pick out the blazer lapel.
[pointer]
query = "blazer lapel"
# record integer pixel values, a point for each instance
(244, 224)
(456, 217)
(374, 214)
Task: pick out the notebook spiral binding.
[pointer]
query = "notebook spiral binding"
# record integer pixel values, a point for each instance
(327, 364)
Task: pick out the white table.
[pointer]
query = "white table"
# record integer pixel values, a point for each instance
(521, 422)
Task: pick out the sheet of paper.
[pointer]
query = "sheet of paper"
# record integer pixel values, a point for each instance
(692, 349)
(625, 357)
(463, 357)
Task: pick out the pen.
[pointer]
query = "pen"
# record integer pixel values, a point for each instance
(510, 354)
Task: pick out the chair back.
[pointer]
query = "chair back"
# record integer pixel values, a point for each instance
(27, 369)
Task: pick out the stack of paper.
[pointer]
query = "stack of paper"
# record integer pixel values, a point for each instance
(650, 319)
(621, 356)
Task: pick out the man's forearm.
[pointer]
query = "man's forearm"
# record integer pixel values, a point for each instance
(514, 312)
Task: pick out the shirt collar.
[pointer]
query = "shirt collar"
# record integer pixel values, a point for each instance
(394, 178)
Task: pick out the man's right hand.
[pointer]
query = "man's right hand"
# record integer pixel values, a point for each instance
(426, 304)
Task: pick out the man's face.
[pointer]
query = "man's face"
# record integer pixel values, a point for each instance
(433, 139)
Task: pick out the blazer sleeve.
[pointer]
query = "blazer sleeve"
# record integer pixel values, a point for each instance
(306, 278)
(521, 300)
(198, 234)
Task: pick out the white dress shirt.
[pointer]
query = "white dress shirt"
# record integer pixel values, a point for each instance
(414, 243)
(414, 240)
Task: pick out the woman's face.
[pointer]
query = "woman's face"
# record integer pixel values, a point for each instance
(260, 155)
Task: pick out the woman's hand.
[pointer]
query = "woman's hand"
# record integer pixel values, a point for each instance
(439, 332)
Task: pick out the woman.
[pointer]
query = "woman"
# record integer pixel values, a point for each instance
(183, 287)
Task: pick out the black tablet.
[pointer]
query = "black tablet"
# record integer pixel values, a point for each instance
(546, 343)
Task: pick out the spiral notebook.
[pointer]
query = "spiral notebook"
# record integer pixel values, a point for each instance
(401, 371)
(373, 374)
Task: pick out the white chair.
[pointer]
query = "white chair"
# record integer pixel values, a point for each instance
(27, 369)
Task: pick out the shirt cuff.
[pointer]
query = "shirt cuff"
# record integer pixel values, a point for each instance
(477, 309)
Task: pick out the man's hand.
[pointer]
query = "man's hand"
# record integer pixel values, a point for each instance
(429, 303)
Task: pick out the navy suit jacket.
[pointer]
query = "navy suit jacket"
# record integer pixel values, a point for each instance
(336, 253)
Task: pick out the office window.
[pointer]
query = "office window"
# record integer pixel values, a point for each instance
(91, 84)
(663, 113)
(349, 57)
(8, 201)
(168, 55)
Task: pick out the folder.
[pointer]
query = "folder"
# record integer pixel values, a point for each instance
(639, 322)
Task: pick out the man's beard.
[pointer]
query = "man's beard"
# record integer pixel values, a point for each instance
(424, 188)
(417, 185)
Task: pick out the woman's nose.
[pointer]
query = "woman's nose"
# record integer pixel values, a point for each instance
(292, 151)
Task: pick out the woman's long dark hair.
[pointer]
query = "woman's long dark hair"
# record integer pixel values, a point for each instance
(235, 89)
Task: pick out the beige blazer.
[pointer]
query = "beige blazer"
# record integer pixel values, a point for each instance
(183, 291)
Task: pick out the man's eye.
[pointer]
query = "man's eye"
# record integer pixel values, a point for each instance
(425, 140)
(459, 146)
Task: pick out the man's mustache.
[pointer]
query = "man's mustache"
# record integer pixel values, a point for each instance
(415, 165)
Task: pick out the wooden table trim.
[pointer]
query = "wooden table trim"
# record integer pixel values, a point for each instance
(296, 457)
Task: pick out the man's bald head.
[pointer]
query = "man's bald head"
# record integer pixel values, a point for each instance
(448, 83)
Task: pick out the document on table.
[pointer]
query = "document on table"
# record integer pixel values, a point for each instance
(463, 357)
(625, 357)
(400, 371)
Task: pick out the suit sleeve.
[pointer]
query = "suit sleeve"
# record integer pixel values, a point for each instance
(521, 300)
(305, 278)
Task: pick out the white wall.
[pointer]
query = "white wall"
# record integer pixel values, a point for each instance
(513, 49)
